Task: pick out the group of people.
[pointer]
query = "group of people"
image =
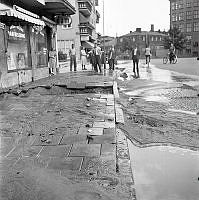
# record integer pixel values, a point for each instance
(96, 56)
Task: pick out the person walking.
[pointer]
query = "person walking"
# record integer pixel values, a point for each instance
(83, 58)
(171, 52)
(135, 57)
(72, 54)
(111, 57)
(52, 61)
(97, 56)
(148, 54)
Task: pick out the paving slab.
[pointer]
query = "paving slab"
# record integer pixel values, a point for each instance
(87, 150)
(103, 124)
(24, 151)
(103, 139)
(55, 151)
(108, 150)
(74, 139)
(119, 115)
(53, 140)
(66, 163)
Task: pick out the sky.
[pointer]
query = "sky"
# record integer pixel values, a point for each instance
(123, 16)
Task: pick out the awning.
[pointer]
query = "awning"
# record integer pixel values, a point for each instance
(88, 45)
(10, 12)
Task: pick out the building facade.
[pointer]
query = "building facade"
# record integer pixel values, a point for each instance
(184, 14)
(27, 33)
(152, 38)
(81, 31)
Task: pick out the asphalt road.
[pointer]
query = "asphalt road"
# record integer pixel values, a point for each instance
(184, 65)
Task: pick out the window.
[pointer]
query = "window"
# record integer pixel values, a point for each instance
(188, 15)
(181, 16)
(173, 6)
(188, 4)
(180, 4)
(196, 14)
(196, 26)
(181, 27)
(143, 38)
(188, 27)
(18, 48)
(174, 17)
(152, 38)
(67, 23)
(196, 3)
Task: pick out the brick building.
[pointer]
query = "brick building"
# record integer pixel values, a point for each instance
(82, 29)
(155, 39)
(184, 14)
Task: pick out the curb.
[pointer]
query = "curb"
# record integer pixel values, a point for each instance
(124, 168)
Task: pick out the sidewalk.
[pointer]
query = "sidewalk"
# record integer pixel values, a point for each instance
(59, 140)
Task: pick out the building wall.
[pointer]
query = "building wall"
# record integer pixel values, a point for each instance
(183, 15)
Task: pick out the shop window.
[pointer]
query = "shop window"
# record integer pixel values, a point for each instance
(195, 44)
(188, 51)
(41, 47)
(18, 56)
(195, 53)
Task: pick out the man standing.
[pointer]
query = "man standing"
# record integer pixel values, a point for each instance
(148, 54)
(135, 57)
(111, 57)
(72, 54)
(97, 56)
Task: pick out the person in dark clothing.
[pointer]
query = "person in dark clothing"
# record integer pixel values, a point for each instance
(72, 53)
(111, 57)
(97, 58)
(136, 57)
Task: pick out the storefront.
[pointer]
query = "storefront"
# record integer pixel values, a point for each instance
(27, 40)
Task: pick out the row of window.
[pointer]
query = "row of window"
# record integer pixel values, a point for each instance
(188, 14)
(189, 27)
(179, 4)
(143, 38)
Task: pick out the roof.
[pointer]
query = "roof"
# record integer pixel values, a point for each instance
(153, 33)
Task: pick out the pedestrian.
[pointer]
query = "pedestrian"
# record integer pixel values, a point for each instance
(171, 52)
(83, 58)
(148, 54)
(97, 58)
(135, 57)
(111, 57)
(72, 54)
(52, 61)
(91, 58)
(103, 59)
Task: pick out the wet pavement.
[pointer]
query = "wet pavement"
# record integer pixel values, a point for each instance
(161, 121)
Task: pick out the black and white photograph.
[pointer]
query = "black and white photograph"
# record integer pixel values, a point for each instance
(99, 99)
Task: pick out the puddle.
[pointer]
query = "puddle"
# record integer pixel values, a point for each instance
(165, 173)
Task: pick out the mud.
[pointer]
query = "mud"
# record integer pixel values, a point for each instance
(166, 116)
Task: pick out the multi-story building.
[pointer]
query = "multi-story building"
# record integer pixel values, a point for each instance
(81, 30)
(155, 39)
(27, 34)
(184, 14)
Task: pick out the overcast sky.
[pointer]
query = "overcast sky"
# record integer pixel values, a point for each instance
(123, 16)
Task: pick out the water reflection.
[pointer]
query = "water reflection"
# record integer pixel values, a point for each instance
(165, 173)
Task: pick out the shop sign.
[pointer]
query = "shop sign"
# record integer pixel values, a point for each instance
(16, 33)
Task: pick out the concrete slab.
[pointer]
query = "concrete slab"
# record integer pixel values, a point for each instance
(53, 140)
(55, 151)
(74, 139)
(103, 139)
(87, 150)
(104, 125)
(65, 164)
(24, 151)
(96, 131)
(108, 150)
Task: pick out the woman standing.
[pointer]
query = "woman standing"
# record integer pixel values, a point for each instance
(52, 61)
(83, 58)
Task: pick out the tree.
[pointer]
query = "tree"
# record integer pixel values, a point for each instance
(176, 37)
